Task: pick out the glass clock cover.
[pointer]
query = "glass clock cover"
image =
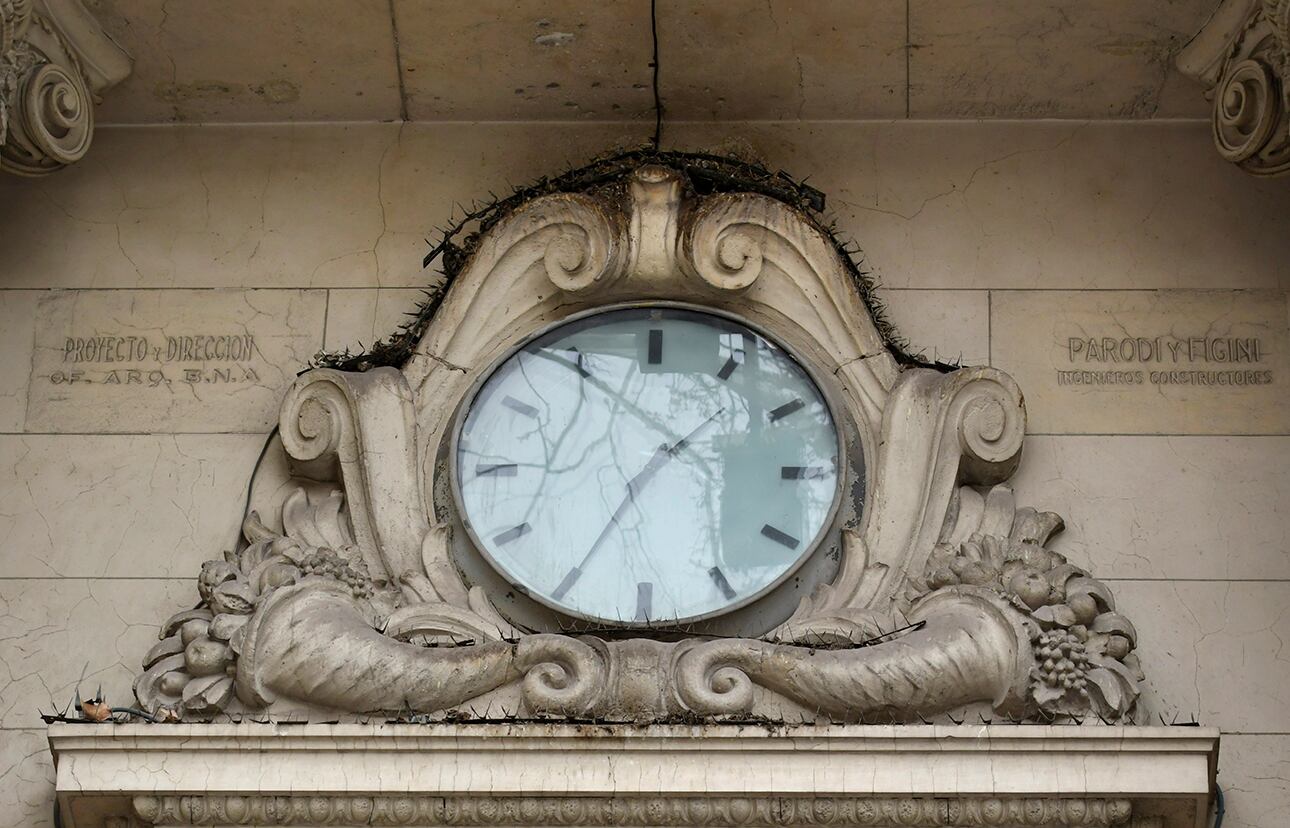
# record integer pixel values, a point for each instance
(647, 466)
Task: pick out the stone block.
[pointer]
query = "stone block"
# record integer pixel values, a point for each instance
(121, 506)
(945, 325)
(358, 318)
(1165, 507)
(977, 59)
(1139, 362)
(1254, 773)
(26, 779)
(290, 65)
(17, 337)
(170, 360)
(63, 633)
(1212, 650)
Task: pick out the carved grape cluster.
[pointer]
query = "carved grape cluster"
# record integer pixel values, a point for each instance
(327, 563)
(1083, 647)
(1064, 662)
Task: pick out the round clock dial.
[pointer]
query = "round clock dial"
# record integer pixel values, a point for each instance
(647, 465)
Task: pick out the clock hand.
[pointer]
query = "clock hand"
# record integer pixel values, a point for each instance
(634, 486)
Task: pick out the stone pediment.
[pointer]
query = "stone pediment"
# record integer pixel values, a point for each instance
(354, 592)
(362, 591)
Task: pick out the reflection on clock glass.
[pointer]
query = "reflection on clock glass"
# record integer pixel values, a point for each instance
(647, 465)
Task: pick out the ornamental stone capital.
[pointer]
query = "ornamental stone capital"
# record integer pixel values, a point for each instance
(1243, 56)
(55, 60)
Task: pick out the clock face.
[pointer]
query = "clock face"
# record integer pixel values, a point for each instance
(647, 465)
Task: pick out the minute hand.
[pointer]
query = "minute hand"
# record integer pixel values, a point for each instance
(634, 486)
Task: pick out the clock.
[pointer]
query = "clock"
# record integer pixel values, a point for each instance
(647, 466)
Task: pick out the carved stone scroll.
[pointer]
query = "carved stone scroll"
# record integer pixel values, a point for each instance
(946, 594)
(1242, 55)
(55, 60)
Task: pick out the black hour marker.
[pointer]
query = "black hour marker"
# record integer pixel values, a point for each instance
(644, 600)
(655, 347)
(577, 362)
(719, 578)
(786, 409)
(728, 368)
(779, 537)
(567, 583)
(519, 407)
(496, 469)
(802, 472)
(512, 533)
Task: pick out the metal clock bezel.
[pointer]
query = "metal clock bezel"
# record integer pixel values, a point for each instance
(582, 620)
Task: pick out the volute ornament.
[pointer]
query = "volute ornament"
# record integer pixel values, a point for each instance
(1243, 56)
(55, 60)
(347, 596)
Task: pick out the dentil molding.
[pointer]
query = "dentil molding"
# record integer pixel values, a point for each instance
(55, 60)
(1242, 55)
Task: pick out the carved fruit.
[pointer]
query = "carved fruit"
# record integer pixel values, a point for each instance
(1030, 587)
(976, 575)
(1055, 615)
(223, 627)
(205, 657)
(213, 574)
(172, 684)
(1117, 646)
(958, 565)
(234, 597)
(943, 577)
(196, 628)
(1084, 607)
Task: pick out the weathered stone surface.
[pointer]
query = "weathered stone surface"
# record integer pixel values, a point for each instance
(1215, 362)
(17, 337)
(61, 633)
(187, 207)
(1254, 773)
(250, 61)
(1213, 651)
(26, 779)
(977, 59)
(842, 60)
(120, 506)
(950, 326)
(168, 361)
(358, 318)
(1165, 507)
(942, 205)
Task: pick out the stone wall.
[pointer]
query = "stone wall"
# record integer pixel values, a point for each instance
(1133, 282)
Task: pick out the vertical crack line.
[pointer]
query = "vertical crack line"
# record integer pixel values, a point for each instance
(658, 100)
(908, 49)
(398, 65)
(989, 328)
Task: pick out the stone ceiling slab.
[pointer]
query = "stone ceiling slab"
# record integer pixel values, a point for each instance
(1051, 58)
(782, 60)
(244, 60)
(495, 60)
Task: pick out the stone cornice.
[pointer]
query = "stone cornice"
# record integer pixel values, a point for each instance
(55, 60)
(1242, 55)
(565, 774)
